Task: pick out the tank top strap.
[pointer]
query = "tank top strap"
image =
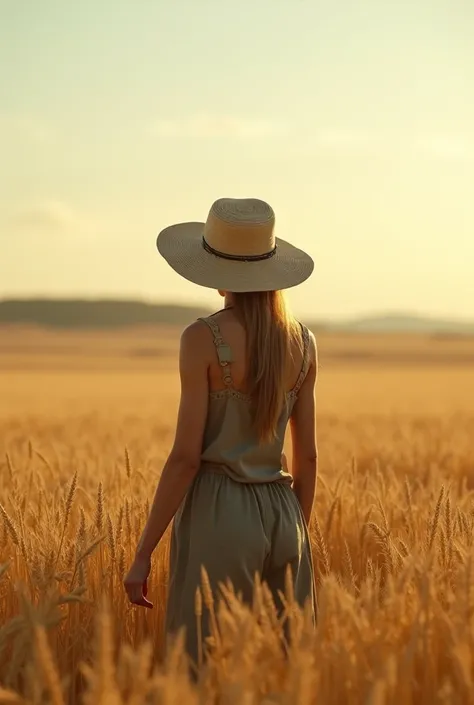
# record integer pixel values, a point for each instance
(224, 352)
(306, 358)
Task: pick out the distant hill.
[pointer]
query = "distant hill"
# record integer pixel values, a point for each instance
(406, 323)
(102, 313)
(110, 313)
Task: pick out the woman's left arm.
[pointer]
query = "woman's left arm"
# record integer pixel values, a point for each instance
(184, 459)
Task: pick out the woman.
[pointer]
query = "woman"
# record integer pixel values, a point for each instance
(245, 372)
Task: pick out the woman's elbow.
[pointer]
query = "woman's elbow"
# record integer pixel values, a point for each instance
(308, 455)
(184, 464)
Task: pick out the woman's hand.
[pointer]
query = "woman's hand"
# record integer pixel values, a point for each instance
(136, 582)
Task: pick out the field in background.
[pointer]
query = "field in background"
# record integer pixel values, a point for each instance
(392, 536)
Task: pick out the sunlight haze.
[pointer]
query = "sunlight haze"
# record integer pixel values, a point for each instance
(354, 120)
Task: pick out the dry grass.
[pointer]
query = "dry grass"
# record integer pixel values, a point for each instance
(81, 450)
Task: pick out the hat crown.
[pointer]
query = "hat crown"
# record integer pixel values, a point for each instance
(240, 227)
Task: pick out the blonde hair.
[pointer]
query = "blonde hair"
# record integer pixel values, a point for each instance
(270, 330)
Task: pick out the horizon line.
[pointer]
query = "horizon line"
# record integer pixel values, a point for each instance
(366, 315)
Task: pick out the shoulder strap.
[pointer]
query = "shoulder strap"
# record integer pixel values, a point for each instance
(224, 352)
(305, 365)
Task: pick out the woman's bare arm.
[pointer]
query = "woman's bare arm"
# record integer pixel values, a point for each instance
(303, 435)
(184, 459)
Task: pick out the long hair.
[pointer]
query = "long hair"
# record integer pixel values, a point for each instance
(270, 330)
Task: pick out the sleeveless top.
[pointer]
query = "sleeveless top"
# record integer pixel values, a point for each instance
(230, 446)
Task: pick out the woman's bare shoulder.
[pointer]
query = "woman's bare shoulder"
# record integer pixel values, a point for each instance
(196, 340)
(313, 348)
(195, 333)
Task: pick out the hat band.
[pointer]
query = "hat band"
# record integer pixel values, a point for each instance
(238, 258)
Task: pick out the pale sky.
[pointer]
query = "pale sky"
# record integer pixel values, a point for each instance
(355, 120)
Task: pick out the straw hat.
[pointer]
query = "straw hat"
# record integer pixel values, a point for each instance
(235, 249)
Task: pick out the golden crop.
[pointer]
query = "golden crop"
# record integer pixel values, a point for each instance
(86, 421)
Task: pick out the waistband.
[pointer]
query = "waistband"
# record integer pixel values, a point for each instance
(216, 469)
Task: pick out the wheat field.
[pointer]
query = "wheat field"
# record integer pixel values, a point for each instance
(86, 421)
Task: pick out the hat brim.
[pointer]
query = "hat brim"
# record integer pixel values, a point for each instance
(181, 246)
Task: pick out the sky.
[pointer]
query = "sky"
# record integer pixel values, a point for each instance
(353, 119)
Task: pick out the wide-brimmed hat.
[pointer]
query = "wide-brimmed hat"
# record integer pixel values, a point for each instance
(235, 249)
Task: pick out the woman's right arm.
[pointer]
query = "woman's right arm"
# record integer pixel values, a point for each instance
(303, 436)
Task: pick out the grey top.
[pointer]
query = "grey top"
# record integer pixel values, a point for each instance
(230, 445)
